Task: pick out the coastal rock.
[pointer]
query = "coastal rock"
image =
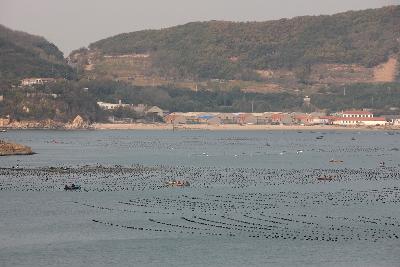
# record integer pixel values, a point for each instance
(77, 123)
(4, 121)
(41, 124)
(8, 149)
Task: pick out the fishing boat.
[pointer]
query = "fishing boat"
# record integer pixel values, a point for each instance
(178, 183)
(325, 178)
(336, 161)
(72, 187)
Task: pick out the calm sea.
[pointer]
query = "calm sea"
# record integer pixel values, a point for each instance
(254, 199)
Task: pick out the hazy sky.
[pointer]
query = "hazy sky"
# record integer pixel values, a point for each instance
(71, 24)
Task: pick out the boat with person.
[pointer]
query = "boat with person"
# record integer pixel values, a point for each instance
(72, 187)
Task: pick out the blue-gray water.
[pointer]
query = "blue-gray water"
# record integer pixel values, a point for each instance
(253, 201)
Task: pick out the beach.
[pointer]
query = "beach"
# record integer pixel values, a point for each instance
(231, 127)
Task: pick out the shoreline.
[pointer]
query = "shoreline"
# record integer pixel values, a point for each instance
(203, 127)
(232, 127)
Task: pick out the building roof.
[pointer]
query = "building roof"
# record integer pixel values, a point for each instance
(154, 109)
(357, 112)
(327, 117)
(361, 119)
(206, 116)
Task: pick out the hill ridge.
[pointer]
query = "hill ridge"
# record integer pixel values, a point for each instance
(25, 55)
(234, 50)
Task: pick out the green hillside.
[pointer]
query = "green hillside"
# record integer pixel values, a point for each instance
(25, 55)
(232, 50)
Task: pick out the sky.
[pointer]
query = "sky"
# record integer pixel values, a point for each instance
(71, 24)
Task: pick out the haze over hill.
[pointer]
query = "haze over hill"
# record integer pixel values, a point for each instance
(72, 24)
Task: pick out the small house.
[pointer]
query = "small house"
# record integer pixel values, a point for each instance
(154, 110)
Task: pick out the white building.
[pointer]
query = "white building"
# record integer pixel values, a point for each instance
(36, 81)
(396, 122)
(366, 121)
(140, 108)
(307, 100)
(110, 106)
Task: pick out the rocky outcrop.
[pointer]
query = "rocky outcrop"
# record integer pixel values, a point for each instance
(4, 122)
(44, 124)
(77, 123)
(8, 149)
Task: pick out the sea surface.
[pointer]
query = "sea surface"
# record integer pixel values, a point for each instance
(254, 199)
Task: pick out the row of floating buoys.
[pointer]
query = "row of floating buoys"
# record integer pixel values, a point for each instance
(259, 214)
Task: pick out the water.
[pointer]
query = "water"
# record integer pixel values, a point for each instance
(271, 149)
(254, 199)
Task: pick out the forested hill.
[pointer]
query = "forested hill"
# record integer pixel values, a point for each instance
(219, 49)
(25, 55)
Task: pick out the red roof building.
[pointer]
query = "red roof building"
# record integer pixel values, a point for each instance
(357, 114)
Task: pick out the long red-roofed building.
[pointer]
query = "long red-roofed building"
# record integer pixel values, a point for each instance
(357, 114)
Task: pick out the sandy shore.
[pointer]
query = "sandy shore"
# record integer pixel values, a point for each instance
(230, 127)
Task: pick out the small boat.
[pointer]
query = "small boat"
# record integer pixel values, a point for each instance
(325, 178)
(72, 187)
(336, 161)
(179, 183)
(3, 131)
(319, 137)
